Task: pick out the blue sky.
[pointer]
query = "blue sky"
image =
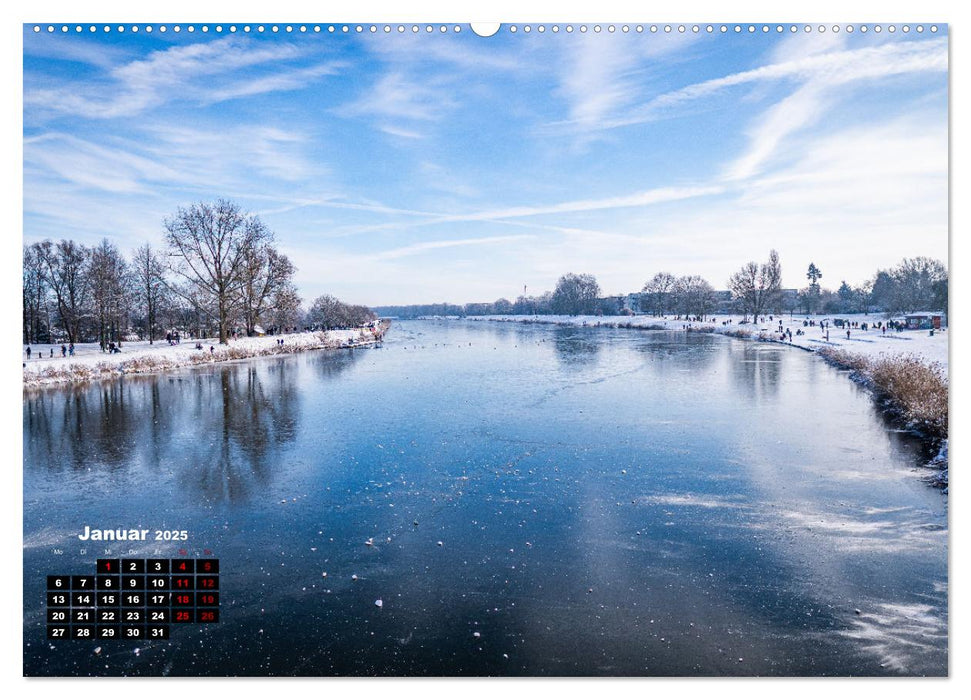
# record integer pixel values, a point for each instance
(397, 168)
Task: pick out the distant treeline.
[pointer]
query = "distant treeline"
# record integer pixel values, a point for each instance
(916, 284)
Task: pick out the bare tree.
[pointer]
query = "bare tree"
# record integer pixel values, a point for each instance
(65, 271)
(758, 287)
(107, 271)
(917, 284)
(209, 245)
(576, 294)
(36, 294)
(328, 312)
(148, 275)
(656, 293)
(284, 309)
(267, 278)
(692, 295)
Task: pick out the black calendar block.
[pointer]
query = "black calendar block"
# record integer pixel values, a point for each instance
(133, 600)
(183, 583)
(58, 632)
(84, 632)
(157, 632)
(183, 566)
(129, 632)
(110, 616)
(207, 566)
(207, 583)
(132, 617)
(109, 566)
(83, 599)
(133, 583)
(207, 600)
(157, 583)
(183, 600)
(58, 600)
(82, 583)
(109, 632)
(57, 616)
(108, 599)
(159, 617)
(58, 583)
(83, 616)
(207, 615)
(157, 566)
(181, 616)
(133, 566)
(158, 600)
(108, 583)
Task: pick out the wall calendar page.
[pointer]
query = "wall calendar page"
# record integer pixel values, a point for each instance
(531, 349)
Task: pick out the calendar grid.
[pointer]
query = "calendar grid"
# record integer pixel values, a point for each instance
(133, 599)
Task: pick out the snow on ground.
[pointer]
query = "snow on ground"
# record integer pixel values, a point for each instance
(88, 362)
(871, 343)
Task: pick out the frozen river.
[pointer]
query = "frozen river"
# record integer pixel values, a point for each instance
(522, 500)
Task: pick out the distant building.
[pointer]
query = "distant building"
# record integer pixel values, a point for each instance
(922, 322)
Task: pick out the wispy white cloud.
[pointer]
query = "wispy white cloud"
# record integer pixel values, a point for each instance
(203, 72)
(295, 79)
(831, 69)
(401, 133)
(644, 198)
(796, 111)
(91, 165)
(418, 248)
(232, 156)
(422, 80)
(603, 75)
(637, 199)
(446, 180)
(395, 98)
(595, 81)
(825, 74)
(418, 50)
(76, 49)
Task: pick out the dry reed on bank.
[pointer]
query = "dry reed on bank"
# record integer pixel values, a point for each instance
(913, 387)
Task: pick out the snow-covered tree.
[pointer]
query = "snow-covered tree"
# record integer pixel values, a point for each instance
(151, 291)
(209, 246)
(655, 295)
(575, 294)
(758, 288)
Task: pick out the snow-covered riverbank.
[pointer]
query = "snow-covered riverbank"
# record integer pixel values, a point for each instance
(89, 363)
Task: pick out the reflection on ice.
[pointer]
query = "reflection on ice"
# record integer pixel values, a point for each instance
(900, 635)
(697, 501)
(854, 532)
